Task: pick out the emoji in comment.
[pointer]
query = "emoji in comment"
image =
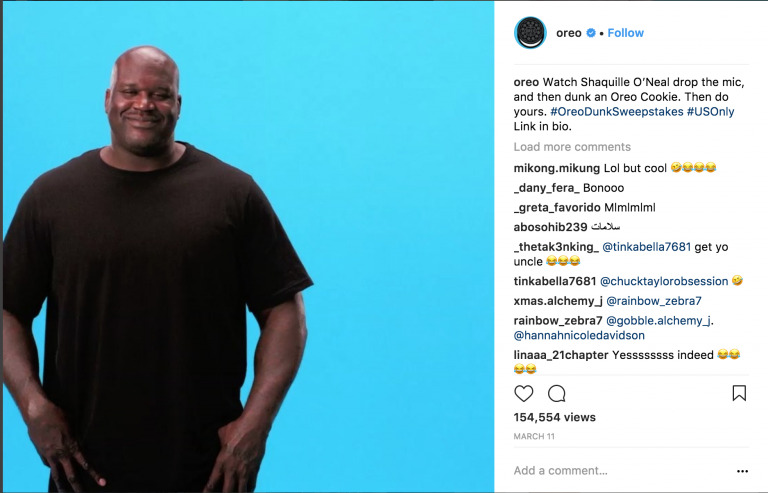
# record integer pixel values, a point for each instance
(551, 260)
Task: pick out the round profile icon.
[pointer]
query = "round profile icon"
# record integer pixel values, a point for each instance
(530, 32)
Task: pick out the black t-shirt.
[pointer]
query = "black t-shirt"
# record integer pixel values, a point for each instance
(147, 277)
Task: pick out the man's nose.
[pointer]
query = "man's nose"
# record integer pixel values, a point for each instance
(143, 102)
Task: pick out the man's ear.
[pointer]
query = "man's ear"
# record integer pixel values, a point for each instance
(179, 115)
(106, 100)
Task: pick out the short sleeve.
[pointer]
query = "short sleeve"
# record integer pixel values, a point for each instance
(270, 268)
(27, 260)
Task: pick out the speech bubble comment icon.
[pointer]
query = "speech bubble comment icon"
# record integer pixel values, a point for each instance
(557, 393)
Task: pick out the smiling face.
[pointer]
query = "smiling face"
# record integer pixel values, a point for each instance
(551, 260)
(687, 167)
(531, 368)
(519, 368)
(737, 279)
(711, 167)
(699, 167)
(722, 354)
(575, 260)
(676, 167)
(735, 353)
(563, 260)
(143, 103)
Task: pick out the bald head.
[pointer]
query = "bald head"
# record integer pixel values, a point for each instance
(145, 55)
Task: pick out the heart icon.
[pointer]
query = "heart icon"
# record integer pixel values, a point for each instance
(523, 392)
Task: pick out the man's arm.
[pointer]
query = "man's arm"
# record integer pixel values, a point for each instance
(46, 423)
(21, 366)
(278, 355)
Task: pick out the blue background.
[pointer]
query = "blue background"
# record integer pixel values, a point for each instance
(370, 128)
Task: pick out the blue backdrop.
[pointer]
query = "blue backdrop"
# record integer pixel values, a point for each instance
(370, 128)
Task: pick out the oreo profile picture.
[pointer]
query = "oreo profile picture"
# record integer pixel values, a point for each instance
(530, 32)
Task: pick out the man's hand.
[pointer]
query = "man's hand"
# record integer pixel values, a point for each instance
(278, 354)
(238, 462)
(50, 434)
(46, 423)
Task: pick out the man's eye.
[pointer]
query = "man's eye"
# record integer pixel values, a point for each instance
(162, 95)
(129, 91)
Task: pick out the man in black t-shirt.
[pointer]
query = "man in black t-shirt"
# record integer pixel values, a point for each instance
(148, 252)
